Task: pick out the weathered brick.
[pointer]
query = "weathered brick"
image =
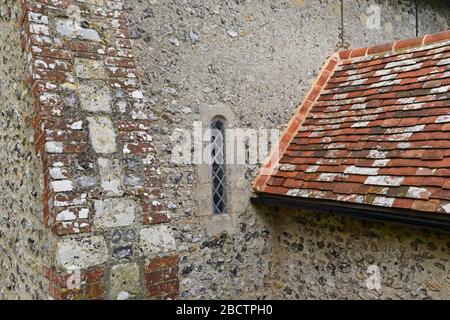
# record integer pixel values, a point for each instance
(74, 73)
(160, 263)
(137, 148)
(120, 62)
(39, 51)
(163, 288)
(156, 218)
(53, 75)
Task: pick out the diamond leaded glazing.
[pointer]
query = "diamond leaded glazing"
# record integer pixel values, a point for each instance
(219, 193)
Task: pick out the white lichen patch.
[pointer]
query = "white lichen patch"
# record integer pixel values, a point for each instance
(312, 168)
(377, 154)
(361, 170)
(77, 125)
(383, 201)
(384, 180)
(446, 208)
(328, 176)
(298, 193)
(419, 193)
(443, 119)
(287, 167)
(380, 162)
(360, 124)
(125, 281)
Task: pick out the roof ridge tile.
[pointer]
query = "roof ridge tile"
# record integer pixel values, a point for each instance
(395, 46)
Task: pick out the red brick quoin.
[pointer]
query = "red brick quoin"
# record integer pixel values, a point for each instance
(161, 277)
(93, 138)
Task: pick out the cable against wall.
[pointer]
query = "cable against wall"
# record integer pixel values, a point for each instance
(342, 44)
(417, 17)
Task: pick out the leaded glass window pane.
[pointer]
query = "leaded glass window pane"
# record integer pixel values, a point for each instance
(219, 190)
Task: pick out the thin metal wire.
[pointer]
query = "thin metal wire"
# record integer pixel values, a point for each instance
(417, 18)
(342, 24)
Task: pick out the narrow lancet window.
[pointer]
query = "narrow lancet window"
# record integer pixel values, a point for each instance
(219, 181)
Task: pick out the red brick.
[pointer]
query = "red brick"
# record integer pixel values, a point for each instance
(66, 135)
(441, 36)
(162, 263)
(154, 277)
(344, 54)
(123, 43)
(156, 218)
(164, 288)
(92, 275)
(120, 62)
(138, 148)
(403, 44)
(45, 62)
(380, 48)
(96, 291)
(83, 46)
(52, 53)
(52, 75)
(358, 52)
(133, 125)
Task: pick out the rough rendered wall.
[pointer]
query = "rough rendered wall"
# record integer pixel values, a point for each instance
(259, 58)
(327, 257)
(24, 243)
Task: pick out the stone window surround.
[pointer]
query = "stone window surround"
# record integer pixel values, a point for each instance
(217, 223)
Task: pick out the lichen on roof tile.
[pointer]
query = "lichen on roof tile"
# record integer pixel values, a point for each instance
(380, 121)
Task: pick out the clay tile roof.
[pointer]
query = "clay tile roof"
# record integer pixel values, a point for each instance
(374, 130)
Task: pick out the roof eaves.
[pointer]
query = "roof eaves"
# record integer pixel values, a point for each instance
(416, 218)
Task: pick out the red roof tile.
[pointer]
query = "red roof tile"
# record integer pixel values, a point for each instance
(374, 129)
